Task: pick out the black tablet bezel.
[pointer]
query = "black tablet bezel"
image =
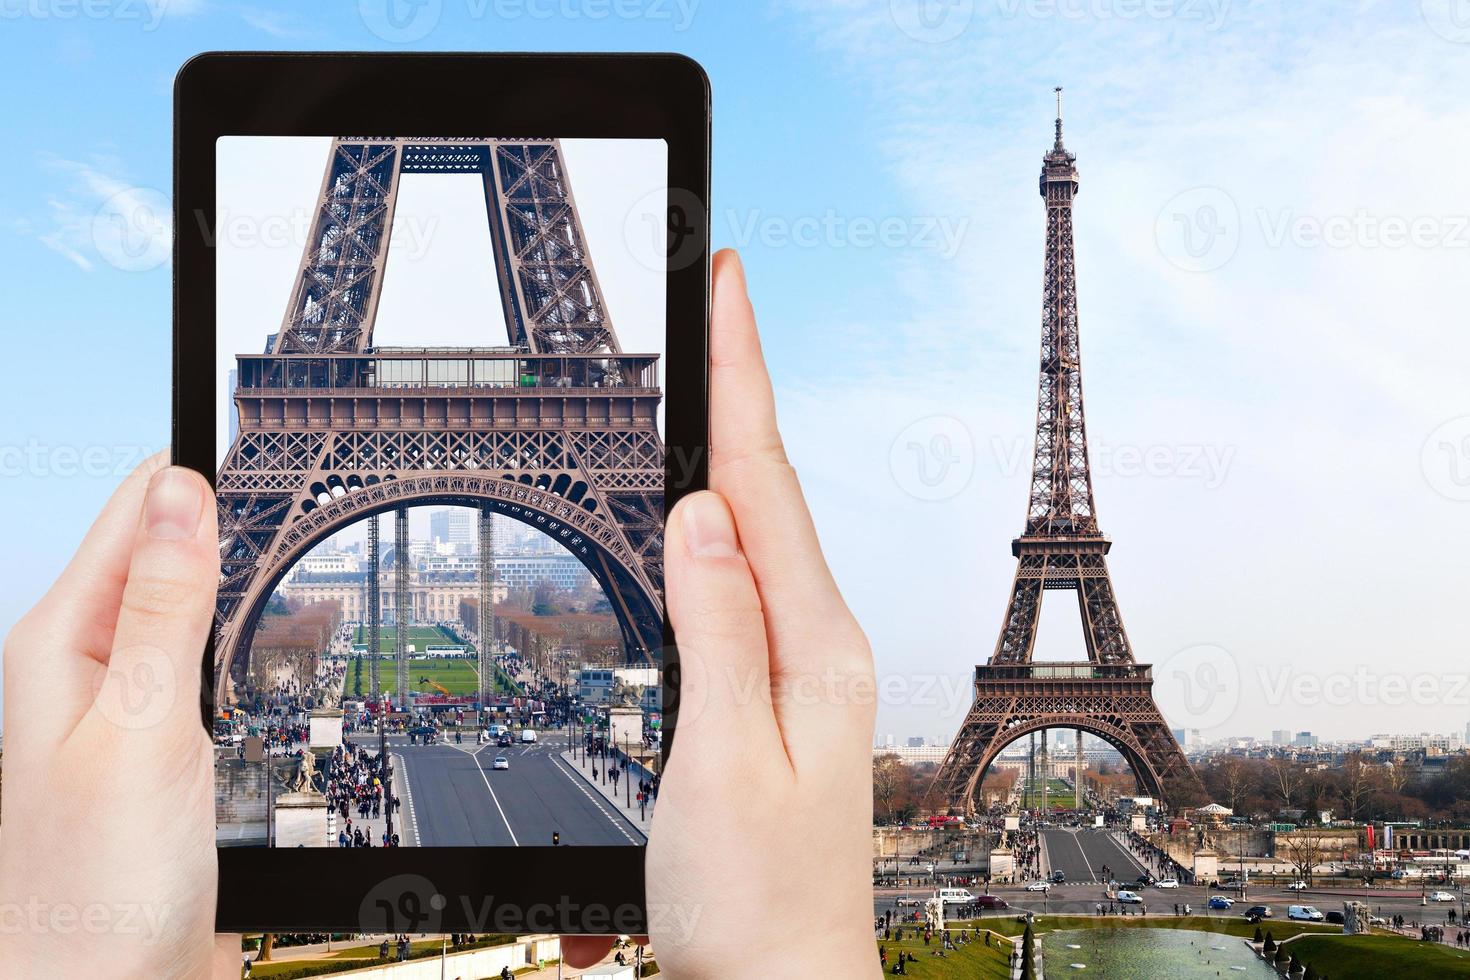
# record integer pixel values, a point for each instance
(589, 890)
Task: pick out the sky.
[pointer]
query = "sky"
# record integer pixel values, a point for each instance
(1272, 229)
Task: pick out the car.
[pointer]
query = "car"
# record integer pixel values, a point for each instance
(989, 902)
(1258, 912)
(1399, 875)
(1335, 918)
(903, 900)
(1167, 883)
(528, 736)
(1129, 898)
(503, 742)
(501, 762)
(1039, 886)
(1145, 880)
(1442, 897)
(1220, 902)
(1304, 913)
(1297, 886)
(1058, 877)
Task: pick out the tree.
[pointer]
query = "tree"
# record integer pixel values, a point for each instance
(1285, 775)
(1357, 784)
(890, 786)
(1270, 946)
(1305, 849)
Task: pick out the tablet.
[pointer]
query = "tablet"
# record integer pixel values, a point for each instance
(446, 387)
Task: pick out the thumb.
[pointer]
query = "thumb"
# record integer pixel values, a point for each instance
(720, 629)
(167, 606)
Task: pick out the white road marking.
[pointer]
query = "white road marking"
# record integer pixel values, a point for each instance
(596, 798)
(496, 799)
(400, 769)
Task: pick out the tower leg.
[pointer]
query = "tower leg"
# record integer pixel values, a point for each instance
(375, 607)
(486, 643)
(1079, 787)
(401, 611)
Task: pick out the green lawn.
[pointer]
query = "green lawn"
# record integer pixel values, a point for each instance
(419, 637)
(456, 674)
(974, 960)
(1058, 794)
(1009, 926)
(1372, 957)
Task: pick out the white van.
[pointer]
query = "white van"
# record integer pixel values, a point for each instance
(956, 896)
(528, 736)
(1304, 913)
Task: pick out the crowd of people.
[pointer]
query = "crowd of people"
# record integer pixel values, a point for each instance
(360, 781)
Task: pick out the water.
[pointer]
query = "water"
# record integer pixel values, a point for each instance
(1144, 954)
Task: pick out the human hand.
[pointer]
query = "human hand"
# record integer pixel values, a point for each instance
(760, 848)
(107, 863)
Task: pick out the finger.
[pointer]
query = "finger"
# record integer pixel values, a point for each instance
(721, 633)
(580, 952)
(167, 605)
(54, 652)
(228, 956)
(748, 465)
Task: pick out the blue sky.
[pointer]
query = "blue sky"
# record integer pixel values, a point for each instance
(1272, 249)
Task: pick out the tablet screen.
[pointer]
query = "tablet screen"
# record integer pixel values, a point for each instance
(440, 453)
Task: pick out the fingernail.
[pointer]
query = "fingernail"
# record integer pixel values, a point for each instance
(174, 504)
(709, 530)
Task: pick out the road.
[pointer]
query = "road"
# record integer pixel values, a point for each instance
(1081, 855)
(455, 799)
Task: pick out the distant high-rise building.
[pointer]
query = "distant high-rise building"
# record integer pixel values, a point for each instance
(916, 742)
(455, 527)
(1281, 737)
(1306, 740)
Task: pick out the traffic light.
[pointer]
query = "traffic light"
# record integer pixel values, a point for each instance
(555, 838)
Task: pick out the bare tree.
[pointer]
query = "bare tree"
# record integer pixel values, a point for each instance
(1285, 776)
(890, 785)
(1357, 784)
(1305, 849)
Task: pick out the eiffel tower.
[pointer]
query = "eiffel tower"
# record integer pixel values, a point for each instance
(1108, 695)
(556, 429)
